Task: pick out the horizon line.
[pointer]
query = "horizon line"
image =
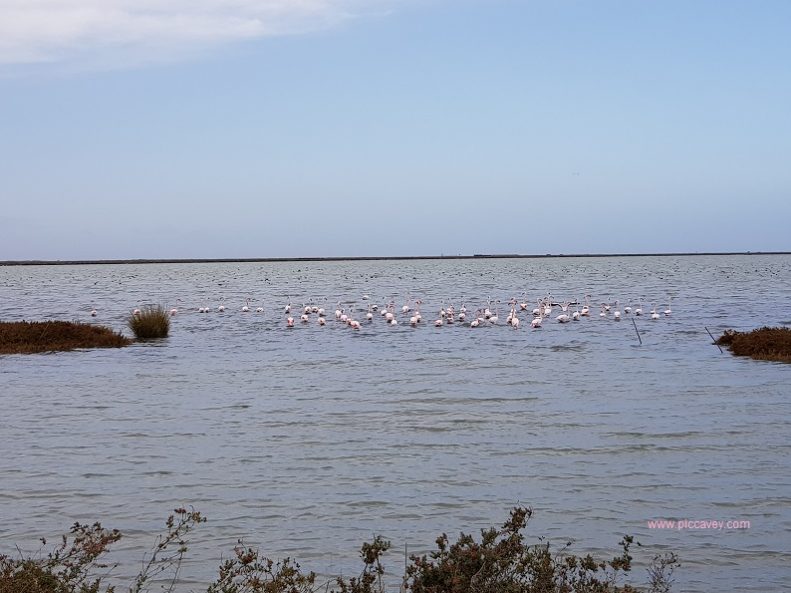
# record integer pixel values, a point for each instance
(80, 262)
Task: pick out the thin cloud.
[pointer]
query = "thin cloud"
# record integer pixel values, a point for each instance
(36, 31)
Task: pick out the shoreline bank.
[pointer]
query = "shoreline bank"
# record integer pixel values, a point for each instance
(82, 262)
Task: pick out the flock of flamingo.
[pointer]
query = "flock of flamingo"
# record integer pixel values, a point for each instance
(543, 310)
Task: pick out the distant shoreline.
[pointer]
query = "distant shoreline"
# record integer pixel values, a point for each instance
(370, 258)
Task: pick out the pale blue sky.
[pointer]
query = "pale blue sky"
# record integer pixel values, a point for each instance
(343, 127)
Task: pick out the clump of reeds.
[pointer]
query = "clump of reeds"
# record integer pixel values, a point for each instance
(150, 323)
(29, 337)
(766, 343)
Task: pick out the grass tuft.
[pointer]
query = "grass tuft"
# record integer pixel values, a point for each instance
(150, 323)
(766, 343)
(30, 337)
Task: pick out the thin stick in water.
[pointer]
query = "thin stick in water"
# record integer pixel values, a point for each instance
(713, 339)
(404, 587)
(638, 332)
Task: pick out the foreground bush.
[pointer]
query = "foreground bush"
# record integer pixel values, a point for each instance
(66, 569)
(499, 563)
(150, 323)
(766, 343)
(27, 337)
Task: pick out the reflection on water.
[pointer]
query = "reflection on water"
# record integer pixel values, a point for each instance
(307, 441)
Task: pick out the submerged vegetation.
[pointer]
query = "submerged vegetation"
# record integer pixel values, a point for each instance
(28, 337)
(150, 323)
(766, 343)
(500, 562)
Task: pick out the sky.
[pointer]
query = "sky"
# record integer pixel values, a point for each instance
(302, 128)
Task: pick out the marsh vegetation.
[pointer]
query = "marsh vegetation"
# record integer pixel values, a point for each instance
(28, 337)
(150, 323)
(499, 561)
(766, 343)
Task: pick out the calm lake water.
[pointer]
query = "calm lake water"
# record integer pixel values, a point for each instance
(307, 441)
